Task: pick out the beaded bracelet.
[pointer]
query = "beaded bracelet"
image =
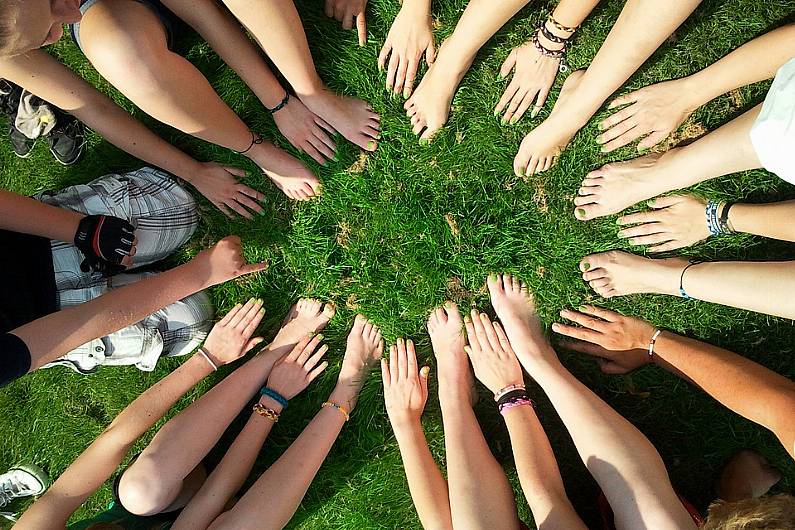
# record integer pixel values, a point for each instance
(265, 412)
(327, 404)
(500, 393)
(275, 396)
(546, 52)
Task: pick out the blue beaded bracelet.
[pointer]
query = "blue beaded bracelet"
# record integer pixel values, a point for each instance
(278, 398)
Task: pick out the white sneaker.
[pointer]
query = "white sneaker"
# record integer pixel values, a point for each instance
(21, 481)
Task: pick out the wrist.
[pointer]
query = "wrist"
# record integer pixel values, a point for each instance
(694, 91)
(404, 421)
(416, 7)
(269, 402)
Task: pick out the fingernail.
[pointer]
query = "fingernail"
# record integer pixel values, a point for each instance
(423, 141)
(320, 336)
(425, 371)
(603, 150)
(534, 113)
(513, 120)
(496, 113)
(555, 326)
(582, 308)
(586, 265)
(410, 342)
(503, 121)
(622, 235)
(467, 319)
(262, 311)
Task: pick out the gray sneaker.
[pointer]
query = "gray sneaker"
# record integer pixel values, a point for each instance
(21, 481)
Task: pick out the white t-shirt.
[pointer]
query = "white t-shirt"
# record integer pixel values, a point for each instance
(773, 134)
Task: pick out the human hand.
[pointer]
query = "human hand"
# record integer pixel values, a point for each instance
(219, 184)
(405, 388)
(619, 343)
(347, 10)
(224, 261)
(673, 222)
(493, 360)
(654, 111)
(409, 37)
(306, 131)
(106, 242)
(533, 76)
(291, 375)
(230, 338)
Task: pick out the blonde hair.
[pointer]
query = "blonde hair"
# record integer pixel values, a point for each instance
(775, 512)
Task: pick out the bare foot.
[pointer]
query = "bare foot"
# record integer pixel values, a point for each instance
(747, 475)
(429, 106)
(365, 347)
(352, 118)
(306, 316)
(617, 186)
(617, 273)
(446, 328)
(513, 302)
(541, 147)
(286, 171)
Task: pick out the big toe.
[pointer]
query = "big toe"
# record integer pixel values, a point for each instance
(495, 285)
(586, 212)
(329, 310)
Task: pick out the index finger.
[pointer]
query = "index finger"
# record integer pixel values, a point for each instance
(251, 268)
(361, 26)
(411, 359)
(575, 332)
(586, 321)
(235, 171)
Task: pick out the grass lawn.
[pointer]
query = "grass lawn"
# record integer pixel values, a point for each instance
(399, 231)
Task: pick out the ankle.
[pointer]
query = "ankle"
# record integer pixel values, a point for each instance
(311, 88)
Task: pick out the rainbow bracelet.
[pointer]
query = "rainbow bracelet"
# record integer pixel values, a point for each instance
(340, 408)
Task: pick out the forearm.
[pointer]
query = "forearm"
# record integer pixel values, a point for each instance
(103, 456)
(626, 465)
(29, 216)
(228, 477)
(427, 485)
(480, 21)
(768, 220)
(271, 502)
(572, 13)
(52, 336)
(752, 62)
(747, 388)
(538, 471)
(763, 287)
(184, 441)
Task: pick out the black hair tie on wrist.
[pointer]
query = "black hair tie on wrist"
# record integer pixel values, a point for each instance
(282, 103)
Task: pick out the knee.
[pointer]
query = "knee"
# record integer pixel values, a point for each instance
(143, 491)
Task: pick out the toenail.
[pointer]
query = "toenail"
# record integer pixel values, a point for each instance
(586, 266)
(371, 145)
(581, 212)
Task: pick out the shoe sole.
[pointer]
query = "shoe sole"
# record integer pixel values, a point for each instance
(72, 366)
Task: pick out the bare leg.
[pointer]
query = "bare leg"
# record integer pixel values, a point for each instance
(169, 88)
(764, 287)
(624, 463)
(155, 482)
(480, 495)
(614, 187)
(271, 502)
(641, 28)
(429, 107)
(219, 28)
(277, 28)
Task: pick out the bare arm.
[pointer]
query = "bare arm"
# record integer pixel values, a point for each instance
(767, 220)
(747, 388)
(97, 463)
(29, 216)
(572, 13)
(52, 336)
(752, 62)
(538, 472)
(405, 395)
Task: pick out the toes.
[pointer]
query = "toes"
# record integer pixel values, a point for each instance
(359, 323)
(329, 310)
(587, 212)
(441, 315)
(515, 284)
(452, 312)
(494, 283)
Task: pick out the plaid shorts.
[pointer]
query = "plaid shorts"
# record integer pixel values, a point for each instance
(165, 217)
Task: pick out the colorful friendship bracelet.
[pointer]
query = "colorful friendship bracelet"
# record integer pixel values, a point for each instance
(652, 342)
(275, 396)
(560, 26)
(327, 404)
(717, 215)
(265, 412)
(518, 402)
(204, 354)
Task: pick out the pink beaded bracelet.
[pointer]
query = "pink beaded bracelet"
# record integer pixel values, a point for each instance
(515, 403)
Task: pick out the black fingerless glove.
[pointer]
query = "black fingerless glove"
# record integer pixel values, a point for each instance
(104, 241)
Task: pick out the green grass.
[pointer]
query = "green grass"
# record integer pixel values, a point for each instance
(378, 242)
